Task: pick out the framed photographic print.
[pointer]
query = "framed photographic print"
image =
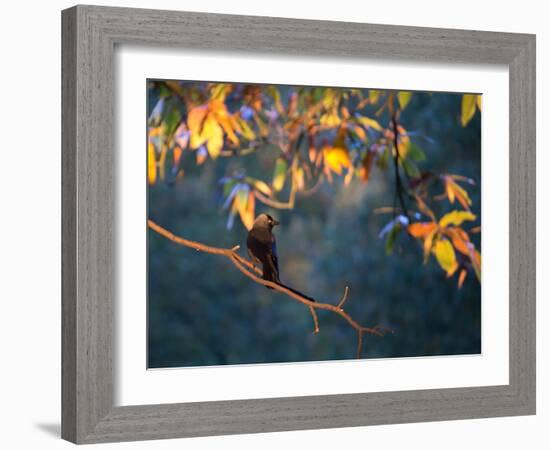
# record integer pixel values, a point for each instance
(264, 230)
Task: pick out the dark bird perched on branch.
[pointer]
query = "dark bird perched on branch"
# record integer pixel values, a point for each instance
(262, 248)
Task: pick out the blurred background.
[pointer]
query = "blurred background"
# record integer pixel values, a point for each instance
(203, 311)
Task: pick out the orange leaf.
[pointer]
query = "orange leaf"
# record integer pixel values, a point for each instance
(460, 239)
(462, 277)
(421, 229)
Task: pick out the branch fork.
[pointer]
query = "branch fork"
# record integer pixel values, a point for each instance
(254, 273)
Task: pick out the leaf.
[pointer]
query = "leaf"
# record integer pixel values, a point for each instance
(246, 131)
(367, 122)
(462, 277)
(456, 218)
(416, 153)
(404, 97)
(478, 102)
(336, 158)
(374, 95)
(453, 191)
(259, 185)
(460, 239)
(195, 121)
(475, 257)
(151, 164)
(214, 135)
(390, 240)
(421, 229)
(445, 255)
(468, 108)
(279, 174)
(410, 168)
(246, 211)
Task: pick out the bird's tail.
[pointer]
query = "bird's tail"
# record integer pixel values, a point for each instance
(301, 294)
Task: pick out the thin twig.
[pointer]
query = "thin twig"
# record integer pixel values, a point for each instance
(398, 182)
(252, 272)
(315, 319)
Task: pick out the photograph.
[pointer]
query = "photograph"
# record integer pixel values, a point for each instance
(296, 224)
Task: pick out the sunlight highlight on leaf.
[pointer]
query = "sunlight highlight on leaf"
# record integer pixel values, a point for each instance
(151, 164)
(456, 218)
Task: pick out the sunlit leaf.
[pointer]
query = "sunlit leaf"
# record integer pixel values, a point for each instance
(421, 229)
(246, 210)
(337, 158)
(367, 122)
(478, 102)
(468, 108)
(454, 191)
(298, 178)
(151, 164)
(359, 131)
(330, 119)
(404, 97)
(456, 218)
(279, 174)
(214, 135)
(462, 277)
(445, 255)
(460, 239)
(259, 185)
(246, 131)
(195, 122)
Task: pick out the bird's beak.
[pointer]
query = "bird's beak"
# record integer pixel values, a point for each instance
(276, 222)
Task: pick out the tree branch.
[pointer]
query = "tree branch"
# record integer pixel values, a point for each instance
(398, 182)
(254, 273)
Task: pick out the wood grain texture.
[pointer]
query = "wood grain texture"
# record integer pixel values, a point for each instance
(89, 36)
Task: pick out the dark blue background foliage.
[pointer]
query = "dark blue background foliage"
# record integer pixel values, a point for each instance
(203, 311)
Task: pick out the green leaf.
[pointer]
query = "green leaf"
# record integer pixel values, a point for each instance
(279, 174)
(416, 153)
(468, 108)
(404, 97)
(392, 235)
(410, 168)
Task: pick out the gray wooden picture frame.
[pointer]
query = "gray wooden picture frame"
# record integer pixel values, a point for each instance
(90, 34)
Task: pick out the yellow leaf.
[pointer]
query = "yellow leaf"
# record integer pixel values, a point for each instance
(478, 102)
(367, 122)
(151, 164)
(404, 97)
(456, 218)
(214, 136)
(279, 174)
(455, 191)
(445, 255)
(330, 119)
(468, 108)
(223, 119)
(195, 122)
(374, 95)
(246, 211)
(336, 158)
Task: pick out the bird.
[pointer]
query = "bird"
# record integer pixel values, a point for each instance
(262, 247)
